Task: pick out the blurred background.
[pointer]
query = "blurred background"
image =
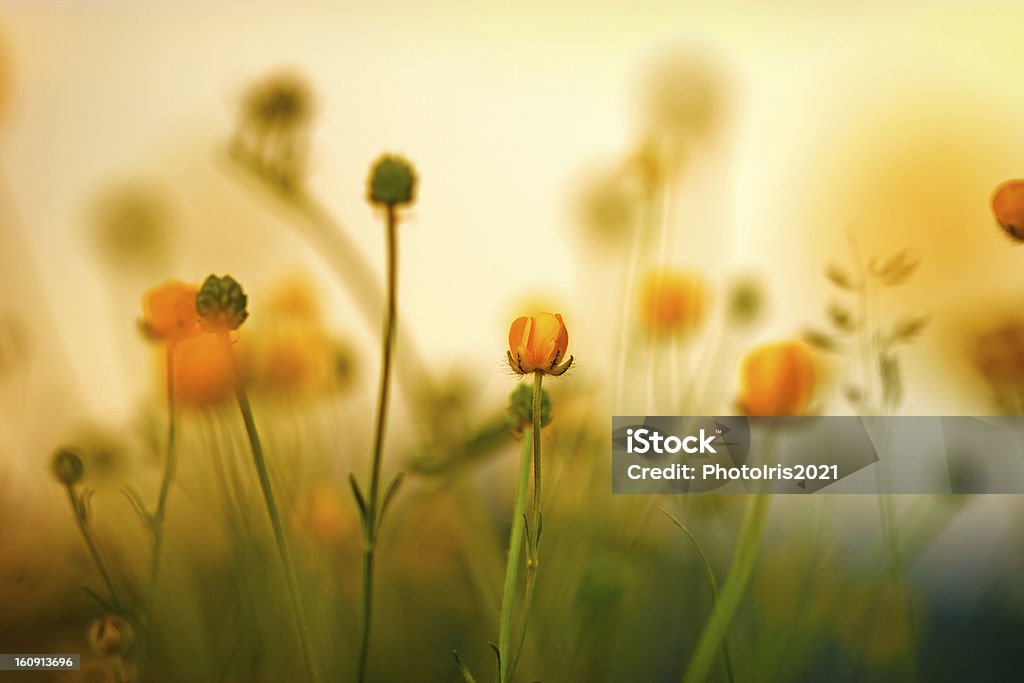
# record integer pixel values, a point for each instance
(683, 182)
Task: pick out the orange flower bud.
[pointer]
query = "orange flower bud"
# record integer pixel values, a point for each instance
(538, 343)
(672, 302)
(169, 311)
(777, 379)
(1008, 207)
(110, 636)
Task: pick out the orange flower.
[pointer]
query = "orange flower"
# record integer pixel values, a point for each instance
(672, 302)
(204, 370)
(777, 379)
(538, 344)
(1008, 206)
(169, 311)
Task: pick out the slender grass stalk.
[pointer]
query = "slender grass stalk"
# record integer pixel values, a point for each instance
(726, 659)
(515, 544)
(371, 512)
(748, 547)
(170, 467)
(534, 531)
(78, 508)
(278, 527)
(330, 238)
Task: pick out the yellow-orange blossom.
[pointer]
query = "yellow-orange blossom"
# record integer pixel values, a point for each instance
(777, 379)
(538, 344)
(204, 372)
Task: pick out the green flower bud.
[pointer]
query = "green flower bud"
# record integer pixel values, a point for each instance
(746, 301)
(392, 181)
(67, 466)
(221, 304)
(520, 408)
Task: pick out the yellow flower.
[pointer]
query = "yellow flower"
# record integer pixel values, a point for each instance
(538, 343)
(672, 302)
(777, 379)
(1008, 207)
(169, 311)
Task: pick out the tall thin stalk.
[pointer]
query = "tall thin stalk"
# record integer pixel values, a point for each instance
(748, 547)
(373, 508)
(533, 531)
(514, 553)
(277, 525)
(715, 599)
(170, 467)
(80, 510)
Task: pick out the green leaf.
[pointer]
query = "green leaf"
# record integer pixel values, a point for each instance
(841, 318)
(897, 269)
(892, 383)
(360, 500)
(99, 600)
(908, 329)
(466, 675)
(819, 340)
(140, 508)
(840, 278)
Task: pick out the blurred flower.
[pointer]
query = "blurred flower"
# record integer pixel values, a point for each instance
(672, 302)
(294, 297)
(273, 128)
(777, 379)
(538, 343)
(392, 181)
(683, 101)
(293, 356)
(221, 304)
(291, 351)
(998, 355)
(67, 466)
(1008, 207)
(323, 513)
(281, 102)
(110, 636)
(169, 311)
(519, 410)
(132, 226)
(204, 371)
(610, 203)
(745, 301)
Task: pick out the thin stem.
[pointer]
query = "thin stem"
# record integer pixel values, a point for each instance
(536, 526)
(278, 527)
(727, 660)
(77, 507)
(514, 553)
(170, 467)
(748, 546)
(370, 522)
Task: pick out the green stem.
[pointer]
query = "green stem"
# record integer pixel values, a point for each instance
(170, 467)
(279, 533)
(370, 522)
(515, 544)
(748, 546)
(536, 526)
(78, 509)
(714, 589)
